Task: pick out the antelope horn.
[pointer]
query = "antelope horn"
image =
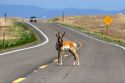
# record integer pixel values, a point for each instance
(63, 34)
(58, 35)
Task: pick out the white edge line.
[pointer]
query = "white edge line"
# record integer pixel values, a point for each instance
(47, 40)
(92, 37)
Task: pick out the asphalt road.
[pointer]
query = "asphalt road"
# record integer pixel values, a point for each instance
(99, 62)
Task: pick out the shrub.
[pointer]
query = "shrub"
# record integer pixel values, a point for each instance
(26, 36)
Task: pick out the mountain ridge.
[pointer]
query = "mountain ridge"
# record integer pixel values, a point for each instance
(26, 11)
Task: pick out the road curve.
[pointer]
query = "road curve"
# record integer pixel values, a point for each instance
(100, 62)
(22, 61)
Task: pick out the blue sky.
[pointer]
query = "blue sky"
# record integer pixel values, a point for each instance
(82, 4)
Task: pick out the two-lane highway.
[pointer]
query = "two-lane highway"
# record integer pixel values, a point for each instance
(21, 63)
(99, 62)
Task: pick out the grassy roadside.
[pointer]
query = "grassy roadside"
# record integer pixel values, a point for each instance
(97, 35)
(23, 35)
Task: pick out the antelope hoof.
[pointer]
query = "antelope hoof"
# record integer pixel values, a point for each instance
(78, 64)
(74, 63)
(59, 64)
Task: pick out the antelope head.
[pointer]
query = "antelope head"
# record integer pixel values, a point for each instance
(59, 42)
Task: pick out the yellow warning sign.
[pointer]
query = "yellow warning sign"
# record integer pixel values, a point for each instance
(107, 20)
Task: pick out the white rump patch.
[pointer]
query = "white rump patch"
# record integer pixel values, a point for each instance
(65, 47)
(75, 45)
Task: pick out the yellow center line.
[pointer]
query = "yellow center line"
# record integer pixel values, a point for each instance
(35, 71)
(55, 60)
(18, 80)
(43, 66)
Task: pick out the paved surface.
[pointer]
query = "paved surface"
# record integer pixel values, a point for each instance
(99, 62)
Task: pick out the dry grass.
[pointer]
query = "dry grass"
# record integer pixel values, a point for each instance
(6, 27)
(16, 32)
(96, 24)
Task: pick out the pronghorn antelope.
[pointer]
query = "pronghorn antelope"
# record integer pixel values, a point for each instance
(63, 46)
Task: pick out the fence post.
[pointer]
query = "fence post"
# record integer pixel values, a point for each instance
(3, 40)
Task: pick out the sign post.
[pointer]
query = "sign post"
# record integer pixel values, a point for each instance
(107, 20)
(3, 41)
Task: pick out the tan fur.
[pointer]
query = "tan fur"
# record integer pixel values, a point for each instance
(73, 47)
(70, 45)
(62, 46)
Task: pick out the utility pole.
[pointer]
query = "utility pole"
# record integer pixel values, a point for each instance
(5, 16)
(63, 16)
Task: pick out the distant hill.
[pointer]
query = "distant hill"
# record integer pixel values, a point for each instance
(21, 10)
(27, 11)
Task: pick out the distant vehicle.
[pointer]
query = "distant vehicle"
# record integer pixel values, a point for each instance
(33, 19)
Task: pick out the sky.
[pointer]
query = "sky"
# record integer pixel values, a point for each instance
(81, 4)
